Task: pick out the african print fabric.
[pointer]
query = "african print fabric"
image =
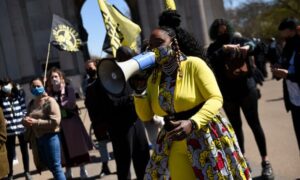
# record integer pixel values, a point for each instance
(213, 152)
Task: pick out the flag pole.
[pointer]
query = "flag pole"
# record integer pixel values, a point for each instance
(46, 65)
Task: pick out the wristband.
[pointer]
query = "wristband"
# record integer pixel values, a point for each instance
(194, 125)
(140, 95)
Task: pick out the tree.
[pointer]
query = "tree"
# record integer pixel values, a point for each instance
(257, 18)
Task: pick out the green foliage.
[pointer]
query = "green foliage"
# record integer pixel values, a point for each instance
(257, 18)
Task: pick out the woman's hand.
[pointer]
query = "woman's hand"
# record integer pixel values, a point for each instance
(28, 121)
(279, 73)
(182, 129)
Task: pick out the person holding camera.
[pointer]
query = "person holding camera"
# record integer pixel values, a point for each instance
(230, 58)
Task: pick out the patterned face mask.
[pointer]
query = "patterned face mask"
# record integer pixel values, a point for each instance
(163, 54)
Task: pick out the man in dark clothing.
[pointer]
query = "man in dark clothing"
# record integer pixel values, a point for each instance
(289, 70)
(260, 56)
(126, 131)
(238, 84)
(97, 110)
(274, 51)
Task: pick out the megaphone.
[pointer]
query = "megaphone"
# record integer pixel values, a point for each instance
(114, 75)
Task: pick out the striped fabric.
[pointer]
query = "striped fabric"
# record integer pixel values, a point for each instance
(14, 109)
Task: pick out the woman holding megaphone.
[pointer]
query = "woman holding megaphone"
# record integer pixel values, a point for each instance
(195, 142)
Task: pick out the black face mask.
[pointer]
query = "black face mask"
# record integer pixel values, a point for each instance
(224, 38)
(91, 72)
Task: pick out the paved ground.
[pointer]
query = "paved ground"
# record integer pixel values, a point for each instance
(277, 124)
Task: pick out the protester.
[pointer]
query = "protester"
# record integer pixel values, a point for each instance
(94, 105)
(75, 140)
(195, 141)
(289, 70)
(42, 123)
(14, 110)
(237, 84)
(274, 51)
(126, 131)
(260, 54)
(4, 165)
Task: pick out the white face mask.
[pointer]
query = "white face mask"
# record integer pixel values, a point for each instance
(7, 88)
(55, 82)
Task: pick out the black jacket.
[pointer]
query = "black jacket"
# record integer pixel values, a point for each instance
(118, 112)
(292, 45)
(97, 102)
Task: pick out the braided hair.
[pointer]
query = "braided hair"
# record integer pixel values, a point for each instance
(182, 41)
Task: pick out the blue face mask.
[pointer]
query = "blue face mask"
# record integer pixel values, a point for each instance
(37, 91)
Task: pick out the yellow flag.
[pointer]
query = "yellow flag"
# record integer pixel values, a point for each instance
(120, 29)
(170, 5)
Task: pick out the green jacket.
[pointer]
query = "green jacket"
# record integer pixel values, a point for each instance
(4, 168)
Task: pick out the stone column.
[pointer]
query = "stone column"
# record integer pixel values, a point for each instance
(203, 23)
(196, 16)
(8, 44)
(149, 11)
(24, 53)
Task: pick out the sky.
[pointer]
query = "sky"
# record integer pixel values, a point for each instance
(93, 23)
(233, 3)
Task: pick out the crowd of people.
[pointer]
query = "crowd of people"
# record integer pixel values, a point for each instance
(181, 95)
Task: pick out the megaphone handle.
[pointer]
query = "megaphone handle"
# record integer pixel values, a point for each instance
(139, 95)
(145, 60)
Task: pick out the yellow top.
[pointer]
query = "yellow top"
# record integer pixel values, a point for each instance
(197, 85)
